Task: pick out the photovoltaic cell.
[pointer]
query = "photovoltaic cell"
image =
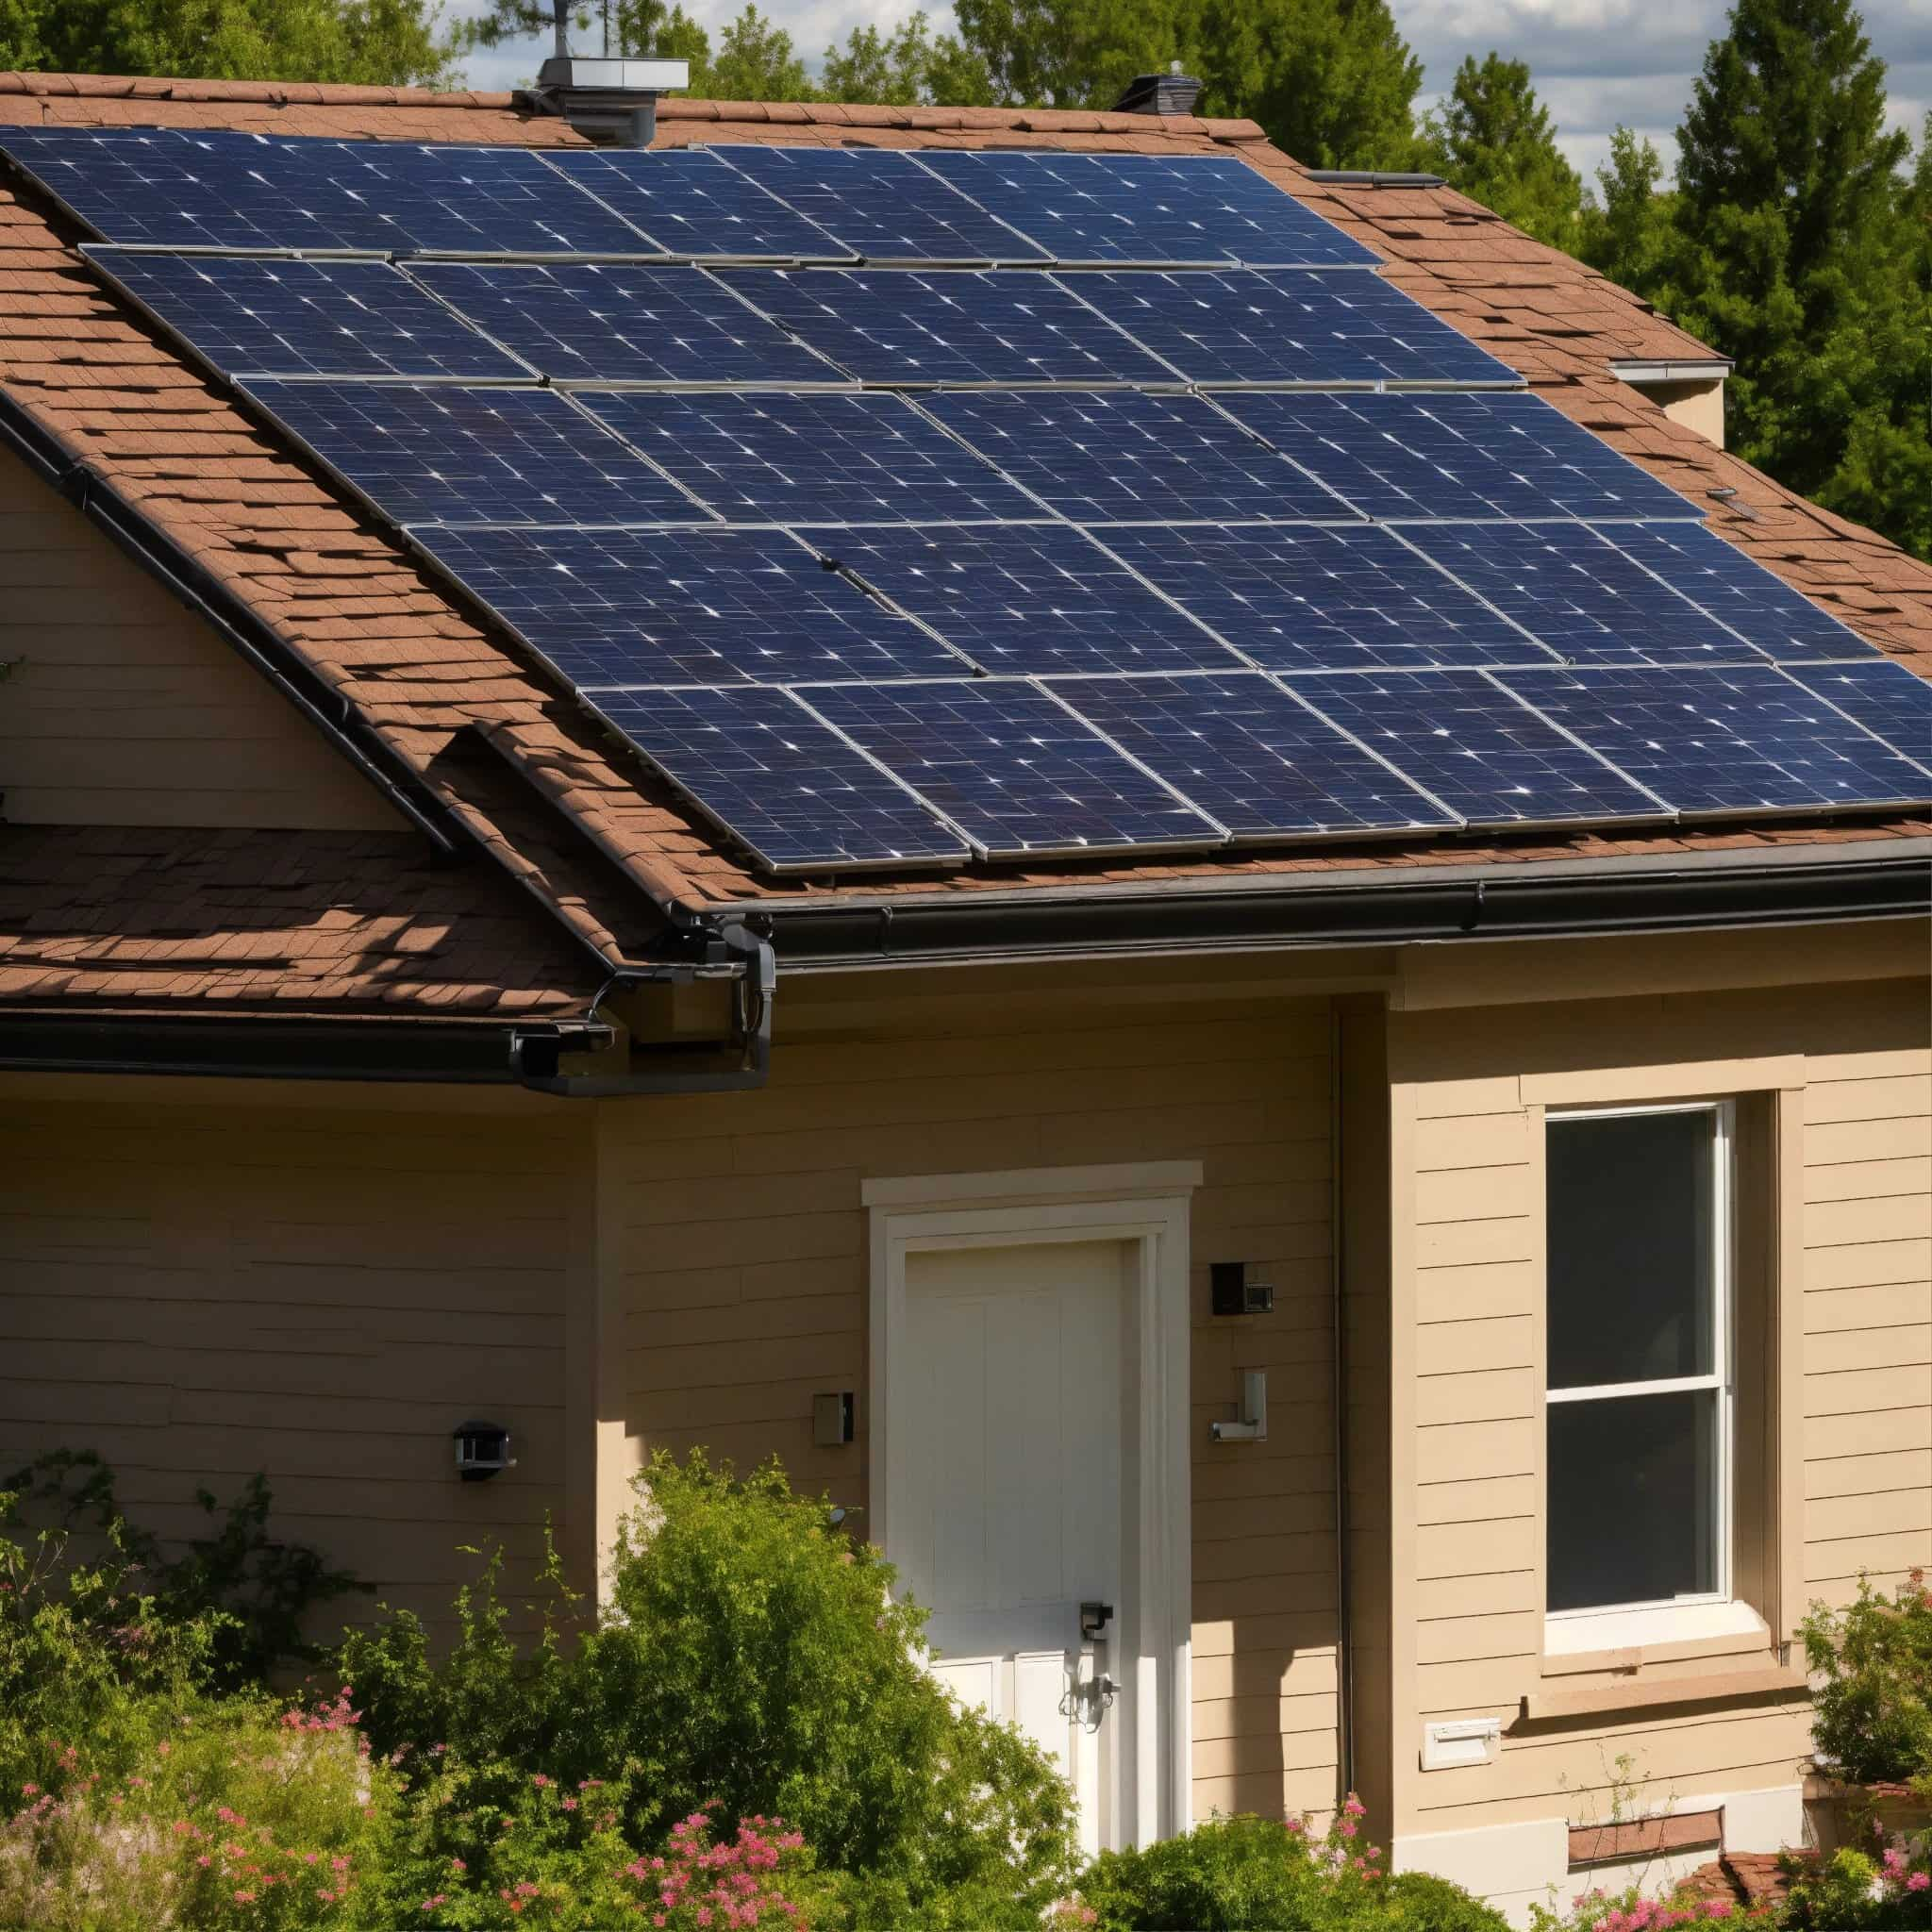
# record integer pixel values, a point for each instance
(1578, 593)
(1308, 598)
(689, 201)
(1019, 598)
(1010, 768)
(1707, 739)
(1247, 754)
(1307, 325)
(607, 321)
(279, 317)
(1101, 208)
(1105, 455)
(1718, 577)
(880, 204)
(826, 459)
(1453, 454)
(474, 455)
(1483, 754)
(905, 327)
(1883, 695)
(781, 783)
(684, 606)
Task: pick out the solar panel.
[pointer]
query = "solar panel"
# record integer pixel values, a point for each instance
(689, 201)
(1026, 598)
(1010, 768)
(1305, 326)
(684, 606)
(1459, 452)
(880, 204)
(1578, 593)
(1708, 739)
(279, 317)
(1112, 208)
(1487, 756)
(1246, 752)
(1105, 455)
(444, 455)
(904, 329)
(1883, 695)
(1735, 588)
(1314, 598)
(829, 459)
(796, 793)
(596, 322)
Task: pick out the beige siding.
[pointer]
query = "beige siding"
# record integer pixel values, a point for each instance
(1853, 1066)
(124, 708)
(202, 1292)
(748, 1281)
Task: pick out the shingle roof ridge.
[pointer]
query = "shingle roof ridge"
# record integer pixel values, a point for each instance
(131, 87)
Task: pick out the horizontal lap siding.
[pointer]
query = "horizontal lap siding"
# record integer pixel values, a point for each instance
(202, 1294)
(746, 1292)
(1867, 1349)
(125, 708)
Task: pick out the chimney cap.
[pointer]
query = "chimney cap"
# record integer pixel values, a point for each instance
(1173, 93)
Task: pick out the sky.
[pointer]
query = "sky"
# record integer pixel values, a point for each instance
(1596, 62)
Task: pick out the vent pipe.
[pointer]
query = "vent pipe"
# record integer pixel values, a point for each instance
(611, 101)
(1173, 93)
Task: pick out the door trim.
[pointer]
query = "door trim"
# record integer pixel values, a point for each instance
(1144, 1204)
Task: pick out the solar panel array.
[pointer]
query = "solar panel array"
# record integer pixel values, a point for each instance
(908, 508)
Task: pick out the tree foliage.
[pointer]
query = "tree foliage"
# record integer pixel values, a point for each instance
(1493, 140)
(363, 43)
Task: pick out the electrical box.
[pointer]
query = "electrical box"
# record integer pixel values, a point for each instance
(482, 1451)
(1460, 1741)
(1232, 1293)
(832, 1419)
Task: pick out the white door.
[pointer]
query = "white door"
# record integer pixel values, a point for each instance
(1005, 1446)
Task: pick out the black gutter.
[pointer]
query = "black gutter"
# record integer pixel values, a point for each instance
(1573, 897)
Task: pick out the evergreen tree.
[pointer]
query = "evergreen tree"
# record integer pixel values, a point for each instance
(362, 43)
(1068, 53)
(1493, 140)
(1630, 234)
(1795, 257)
(903, 67)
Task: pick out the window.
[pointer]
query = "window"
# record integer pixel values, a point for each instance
(1639, 1396)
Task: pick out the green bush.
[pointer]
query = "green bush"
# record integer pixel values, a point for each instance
(1887, 1889)
(754, 1666)
(1872, 1714)
(1255, 1875)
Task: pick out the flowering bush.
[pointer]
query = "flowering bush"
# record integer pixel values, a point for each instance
(1247, 1872)
(1872, 1713)
(1629, 1910)
(1886, 1889)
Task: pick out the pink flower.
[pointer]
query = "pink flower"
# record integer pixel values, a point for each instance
(570, 1804)
(28, 1790)
(1920, 1881)
(539, 1781)
(1349, 1827)
(204, 1860)
(244, 1898)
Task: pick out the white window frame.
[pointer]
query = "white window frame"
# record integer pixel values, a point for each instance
(1709, 1614)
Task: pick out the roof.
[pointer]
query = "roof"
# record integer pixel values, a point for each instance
(564, 808)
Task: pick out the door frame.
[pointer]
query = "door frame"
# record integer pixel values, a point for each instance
(1145, 1206)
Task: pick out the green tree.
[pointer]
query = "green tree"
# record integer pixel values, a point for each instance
(364, 42)
(1628, 225)
(1797, 258)
(1493, 140)
(904, 67)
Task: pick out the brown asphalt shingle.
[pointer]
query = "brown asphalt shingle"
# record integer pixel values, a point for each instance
(435, 681)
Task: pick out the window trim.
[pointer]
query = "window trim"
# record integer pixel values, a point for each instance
(1595, 1625)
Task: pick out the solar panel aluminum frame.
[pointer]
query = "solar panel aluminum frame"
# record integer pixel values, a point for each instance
(1002, 853)
(97, 257)
(706, 519)
(1726, 814)
(791, 868)
(1356, 834)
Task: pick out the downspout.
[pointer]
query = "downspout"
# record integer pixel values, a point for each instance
(1344, 1564)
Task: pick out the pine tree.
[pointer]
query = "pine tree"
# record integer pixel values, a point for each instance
(1628, 230)
(1493, 140)
(906, 66)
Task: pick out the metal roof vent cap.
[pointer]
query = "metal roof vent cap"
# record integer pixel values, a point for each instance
(609, 100)
(1173, 93)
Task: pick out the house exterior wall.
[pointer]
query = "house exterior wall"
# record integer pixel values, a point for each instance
(125, 708)
(1841, 1316)
(1698, 406)
(319, 1285)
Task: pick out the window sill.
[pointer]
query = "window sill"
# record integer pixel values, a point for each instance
(1656, 1694)
(1648, 1628)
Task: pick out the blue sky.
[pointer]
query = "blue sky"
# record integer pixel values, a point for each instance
(1597, 62)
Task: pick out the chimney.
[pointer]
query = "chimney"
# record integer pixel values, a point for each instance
(1173, 93)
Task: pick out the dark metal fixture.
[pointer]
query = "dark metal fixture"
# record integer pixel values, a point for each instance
(482, 1451)
(1233, 1293)
(1173, 93)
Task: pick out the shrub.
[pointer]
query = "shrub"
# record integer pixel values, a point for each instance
(1245, 1873)
(1872, 1714)
(1630, 1910)
(1887, 1890)
(756, 1665)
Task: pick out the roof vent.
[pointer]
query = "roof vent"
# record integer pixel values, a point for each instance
(1173, 93)
(609, 101)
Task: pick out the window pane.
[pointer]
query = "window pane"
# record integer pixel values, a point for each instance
(1632, 1499)
(1630, 1248)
